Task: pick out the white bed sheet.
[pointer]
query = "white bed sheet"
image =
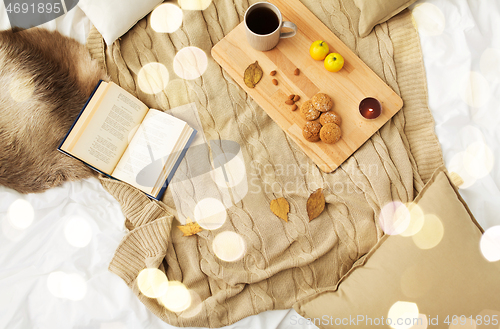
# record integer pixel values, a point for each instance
(53, 259)
(461, 45)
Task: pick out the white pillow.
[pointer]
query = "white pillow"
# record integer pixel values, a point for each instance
(113, 18)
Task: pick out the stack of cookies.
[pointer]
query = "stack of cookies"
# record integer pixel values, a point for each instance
(327, 128)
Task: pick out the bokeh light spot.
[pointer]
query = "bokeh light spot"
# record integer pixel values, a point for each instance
(488, 317)
(153, 78)
(478, 160)
(78, 232)
(68, 286)
(228, 173)
(54, 282)
(190, 63)
(152, 282)
(490, 244)
(475, 90)
(430, 234)
(10, 232)
(194, 308)
(416, 219)
(21, 88)
(456, 179)
(229, 246)
(421, 322)
(429, 19)
(403, 315)
(194, 4)
(166, 18)
(21, 214)
(457, 165)
(210, 213)
(74, 287)
(177, 298)
(490, 64)
(394, 218)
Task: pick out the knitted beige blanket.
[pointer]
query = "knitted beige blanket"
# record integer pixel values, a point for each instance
(279, 262)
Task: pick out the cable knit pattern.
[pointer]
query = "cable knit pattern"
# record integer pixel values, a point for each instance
(283, 261)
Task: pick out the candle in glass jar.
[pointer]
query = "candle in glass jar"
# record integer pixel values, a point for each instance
(370, 108)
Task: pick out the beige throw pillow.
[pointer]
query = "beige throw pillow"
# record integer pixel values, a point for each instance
(374, 12)
(438, 275)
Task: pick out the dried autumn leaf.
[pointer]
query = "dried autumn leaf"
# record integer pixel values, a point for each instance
(315, 204)
(280, 208)
(190, 228)
(253, 74)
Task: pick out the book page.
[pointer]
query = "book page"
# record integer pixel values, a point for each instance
(170, 162)
(107, 128)
(85, 115)
(154, 144)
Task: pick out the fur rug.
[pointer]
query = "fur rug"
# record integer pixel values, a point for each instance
(46, 79)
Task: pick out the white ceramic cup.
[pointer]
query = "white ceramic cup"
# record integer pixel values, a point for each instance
(267, 41)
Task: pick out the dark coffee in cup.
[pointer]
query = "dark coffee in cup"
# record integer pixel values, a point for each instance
(262, 21)
(263, 24)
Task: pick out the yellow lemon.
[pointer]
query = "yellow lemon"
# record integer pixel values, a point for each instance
(318, 50)
(334, 62)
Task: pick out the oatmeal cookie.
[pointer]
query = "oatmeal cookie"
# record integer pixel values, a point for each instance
(311, 131)
(322, 102)
(308, 111)
(330, 133)
(330, 117)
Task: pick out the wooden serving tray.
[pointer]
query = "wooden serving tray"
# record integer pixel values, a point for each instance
(347, 87)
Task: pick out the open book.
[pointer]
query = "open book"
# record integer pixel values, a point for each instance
(119, 136)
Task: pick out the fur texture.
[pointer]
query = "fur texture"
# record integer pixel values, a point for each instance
(45, 80)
